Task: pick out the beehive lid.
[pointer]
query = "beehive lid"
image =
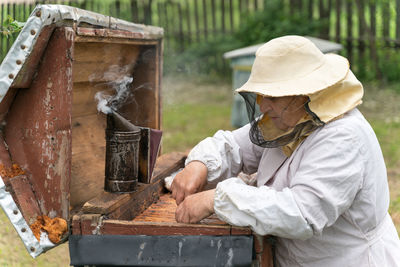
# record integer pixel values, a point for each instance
(18, 70)
(250, 51)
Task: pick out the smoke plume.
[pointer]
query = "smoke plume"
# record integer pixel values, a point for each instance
(107, 103)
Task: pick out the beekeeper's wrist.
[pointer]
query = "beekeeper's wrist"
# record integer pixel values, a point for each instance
(198, 168)
(210, 165)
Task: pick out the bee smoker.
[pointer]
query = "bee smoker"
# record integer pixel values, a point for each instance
(122, 154)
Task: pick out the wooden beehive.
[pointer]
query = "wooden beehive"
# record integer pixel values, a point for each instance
(51, 126)
(53, 129)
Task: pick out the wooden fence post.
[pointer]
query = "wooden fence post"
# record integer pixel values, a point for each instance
(30, 8)
(223, 16)
(196, 20)
(291, 7)
(397, 23)
(295, 6)
(214, 19)
(372, 40)
(117, 8)
(188, 23)
(147, 12)
(361, 37)
(324, 14)
(173, 28)
(24, 9)
(134, 11)
(2, 50)
(349, 38)
(8, 38)
(338, 24)
(181, 38)
(205, 20)
(386, 21)
(83, 5)
(166, 25)
(300, 6)
(231, 16)
(310, 9)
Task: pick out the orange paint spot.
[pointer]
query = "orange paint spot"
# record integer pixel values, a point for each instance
(13, 171)
(55, 228)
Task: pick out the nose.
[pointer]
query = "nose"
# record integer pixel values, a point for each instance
(265, 105)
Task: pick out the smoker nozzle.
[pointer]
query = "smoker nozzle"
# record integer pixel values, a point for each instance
(117, 122)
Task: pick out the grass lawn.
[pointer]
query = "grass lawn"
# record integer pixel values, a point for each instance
(194, 108)
(382, 109)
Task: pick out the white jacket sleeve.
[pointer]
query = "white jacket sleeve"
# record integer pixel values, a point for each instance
(226, 154)
(264, 209)
(323, 182)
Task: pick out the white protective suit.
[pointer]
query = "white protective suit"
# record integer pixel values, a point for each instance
(327, 203)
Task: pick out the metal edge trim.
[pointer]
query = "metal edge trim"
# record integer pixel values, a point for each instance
(13, 213)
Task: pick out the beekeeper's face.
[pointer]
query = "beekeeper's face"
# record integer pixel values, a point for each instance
(284, 111)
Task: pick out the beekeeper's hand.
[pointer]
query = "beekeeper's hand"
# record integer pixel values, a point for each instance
(196, 207)
(190, 180)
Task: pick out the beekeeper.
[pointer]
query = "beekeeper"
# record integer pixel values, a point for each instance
(322, 188)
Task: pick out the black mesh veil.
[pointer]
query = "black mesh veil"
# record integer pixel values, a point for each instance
(256, 135)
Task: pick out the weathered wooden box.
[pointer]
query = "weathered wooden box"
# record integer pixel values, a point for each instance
(52, 147)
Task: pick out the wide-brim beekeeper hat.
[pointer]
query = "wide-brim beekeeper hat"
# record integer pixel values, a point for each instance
(292, 66)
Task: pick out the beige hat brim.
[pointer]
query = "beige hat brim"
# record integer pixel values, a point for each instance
(334, 69)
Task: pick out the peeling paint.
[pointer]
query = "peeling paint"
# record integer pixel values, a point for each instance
(142, 246)
(41, 205)
(69, 77)
(230, 258)
(28, 132)
(53, 214)
(47, 152)
(62, 170)
(219, 244)
(180, 248)
(47, 98)
(70, 35)
(96, 230)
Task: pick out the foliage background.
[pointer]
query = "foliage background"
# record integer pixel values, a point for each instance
(198, 32)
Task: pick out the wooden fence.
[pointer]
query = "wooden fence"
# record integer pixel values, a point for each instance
(364, 27)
